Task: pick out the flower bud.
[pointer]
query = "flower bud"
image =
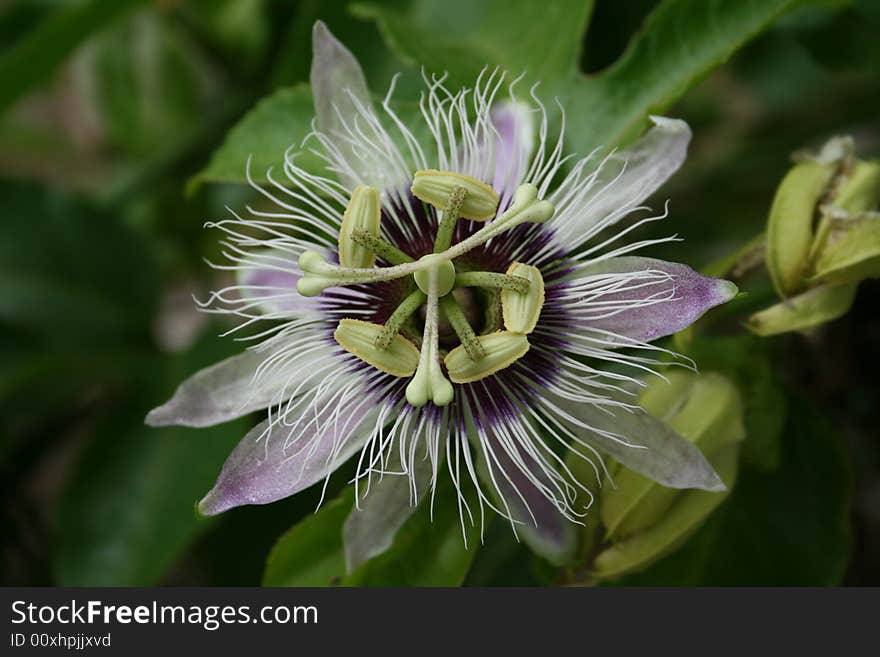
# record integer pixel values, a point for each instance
(859, 191)
(435, 187)
(400, 358)
(522, 309)
(502, 349)
(790, 224)
(706, 410)
(847, 246)
(672, 530)
(364, 212)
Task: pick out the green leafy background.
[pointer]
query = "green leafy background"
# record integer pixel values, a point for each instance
(125, 125)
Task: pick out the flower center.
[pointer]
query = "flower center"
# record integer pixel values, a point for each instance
(442, 270)
(446, 299)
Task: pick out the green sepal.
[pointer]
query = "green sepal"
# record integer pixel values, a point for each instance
(681, 520)
(805, 311)
(706, 410)
(854, 256)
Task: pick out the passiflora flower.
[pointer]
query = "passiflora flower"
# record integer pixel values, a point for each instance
(466, 305)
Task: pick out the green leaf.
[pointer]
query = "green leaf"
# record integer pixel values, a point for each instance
(34, 57)
(787, 528)
(276, 122)
(310, 553)
(128, 512)
(746, 361)
(70, 274)
(542, 40)
(429, 550)
(148, 95)
(370, 529)
(680, 43)
(805, 311)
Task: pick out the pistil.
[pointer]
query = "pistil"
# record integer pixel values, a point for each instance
(429, 383)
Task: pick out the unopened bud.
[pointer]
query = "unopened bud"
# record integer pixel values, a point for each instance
(680, 521)
(859, 190)
(790, 224)
(847, 246)
(855, 255)
(704, 409)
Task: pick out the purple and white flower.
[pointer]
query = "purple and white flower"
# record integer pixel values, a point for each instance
(468, 304)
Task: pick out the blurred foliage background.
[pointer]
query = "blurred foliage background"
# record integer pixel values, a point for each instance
(115, 147)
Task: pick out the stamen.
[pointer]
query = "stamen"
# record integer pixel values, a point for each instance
(319, 274)
(428, 381)
(492, 279)
(456, 317)
(382, 248)
(364, 212)
(435, 188)
(502, 348)
(392, 326)
(525, 208)
(443, 239)
(359, 338)
(521, 310)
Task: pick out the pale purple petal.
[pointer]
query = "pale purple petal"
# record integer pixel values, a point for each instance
(337, 81)
(625, 179)
(669, 298)
(277, 461)
(275, 290)
(221, 392)
(539, 522)
(514, 141)
(345, 118)
(639, 441)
